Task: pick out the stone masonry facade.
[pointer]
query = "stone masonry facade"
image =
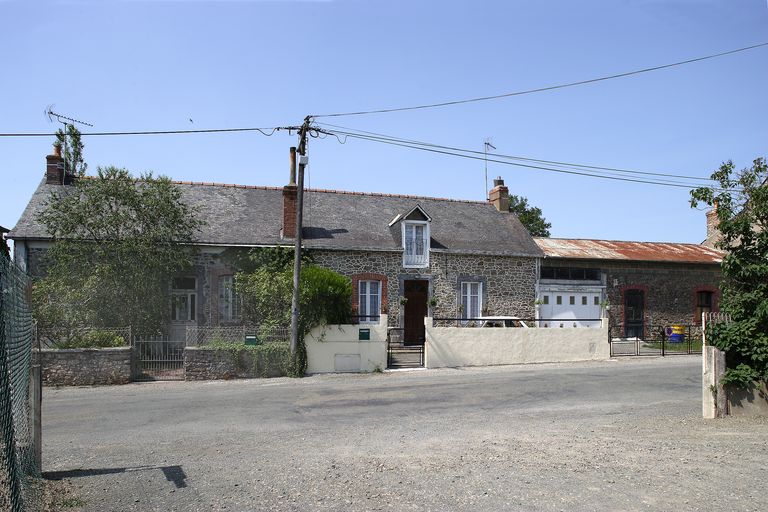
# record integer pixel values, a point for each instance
(509, 283)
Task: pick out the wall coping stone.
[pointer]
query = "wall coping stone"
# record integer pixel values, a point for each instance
(78, 350)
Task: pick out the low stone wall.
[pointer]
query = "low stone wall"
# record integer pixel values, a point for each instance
(748, 402)
(85, 366)
(201, 363)
(468, 346)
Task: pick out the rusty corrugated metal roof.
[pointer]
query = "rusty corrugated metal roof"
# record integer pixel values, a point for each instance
(630, 251)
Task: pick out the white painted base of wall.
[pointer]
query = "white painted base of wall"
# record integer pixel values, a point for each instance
(466, 346)
(337, 348)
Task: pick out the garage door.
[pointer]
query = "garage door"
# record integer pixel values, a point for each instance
(570, 307)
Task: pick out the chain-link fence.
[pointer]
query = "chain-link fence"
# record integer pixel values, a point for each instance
(21, 488)
(203, 335)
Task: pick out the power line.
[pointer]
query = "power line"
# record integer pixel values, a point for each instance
(505, 162)
(542, 89)
(263, 131)
(383, 137)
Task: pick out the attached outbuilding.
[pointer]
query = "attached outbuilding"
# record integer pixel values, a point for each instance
(647, 286)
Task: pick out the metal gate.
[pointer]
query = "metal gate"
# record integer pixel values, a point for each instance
(159, 358)
(400, 355)
(657, 341)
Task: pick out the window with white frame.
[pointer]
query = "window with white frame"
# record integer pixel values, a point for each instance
(229, 302)
(369, 302)
(183, 299)
(471, 299)
(415, 244)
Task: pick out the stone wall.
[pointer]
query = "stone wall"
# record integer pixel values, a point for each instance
(201, 363)
(509, 283)
(670, 290)
(85, 366)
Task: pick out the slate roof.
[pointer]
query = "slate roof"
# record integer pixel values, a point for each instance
(238, 215)
(628, 251)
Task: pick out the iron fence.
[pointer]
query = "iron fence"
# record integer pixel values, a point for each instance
(509, 321)
(21, 488)
(655, 340)
(204, 335)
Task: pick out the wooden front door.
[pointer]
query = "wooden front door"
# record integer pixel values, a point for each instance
(416, 291)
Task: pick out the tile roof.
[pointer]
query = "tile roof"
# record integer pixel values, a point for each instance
(252, 215)
(630, 251)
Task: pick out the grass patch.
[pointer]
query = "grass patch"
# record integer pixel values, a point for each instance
(695, 346)
(72, 502)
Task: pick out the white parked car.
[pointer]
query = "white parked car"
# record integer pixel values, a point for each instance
(500, 321)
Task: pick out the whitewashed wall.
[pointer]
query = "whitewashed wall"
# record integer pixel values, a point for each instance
(458, 346)
(336, 348)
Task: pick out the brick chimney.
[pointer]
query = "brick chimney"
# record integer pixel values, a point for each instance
(713, 233)
(54, 169)
(290, 191)
(499, 195)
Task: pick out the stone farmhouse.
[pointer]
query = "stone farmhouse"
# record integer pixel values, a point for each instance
(473, 258)
(409, 257)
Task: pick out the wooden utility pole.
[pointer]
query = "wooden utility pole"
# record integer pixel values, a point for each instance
(299, 224)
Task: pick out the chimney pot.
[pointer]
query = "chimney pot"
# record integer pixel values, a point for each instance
(54, 168)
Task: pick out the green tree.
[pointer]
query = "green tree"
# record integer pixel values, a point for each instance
(118, 243)
(530, 216)
(72, 150)
(325, 298)
(741, 203)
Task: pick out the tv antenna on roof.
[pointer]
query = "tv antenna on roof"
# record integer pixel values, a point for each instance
(488, 143)
(62, 118)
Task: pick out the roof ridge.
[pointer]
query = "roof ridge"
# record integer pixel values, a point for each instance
(404, 196)
(327, 191)
(224, 185)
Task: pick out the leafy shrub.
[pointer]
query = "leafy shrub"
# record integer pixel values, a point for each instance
(94, 339)
(266, 360)
(326, 298)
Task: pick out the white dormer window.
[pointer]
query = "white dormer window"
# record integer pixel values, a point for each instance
(415, 244)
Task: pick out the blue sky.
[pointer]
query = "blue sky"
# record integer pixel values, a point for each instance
(154, 65)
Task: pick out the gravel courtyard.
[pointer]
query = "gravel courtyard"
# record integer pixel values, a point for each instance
(616, 435)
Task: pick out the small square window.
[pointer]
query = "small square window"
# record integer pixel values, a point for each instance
(559, 300)
(545, 299)
(583, 300)
(572, 300)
